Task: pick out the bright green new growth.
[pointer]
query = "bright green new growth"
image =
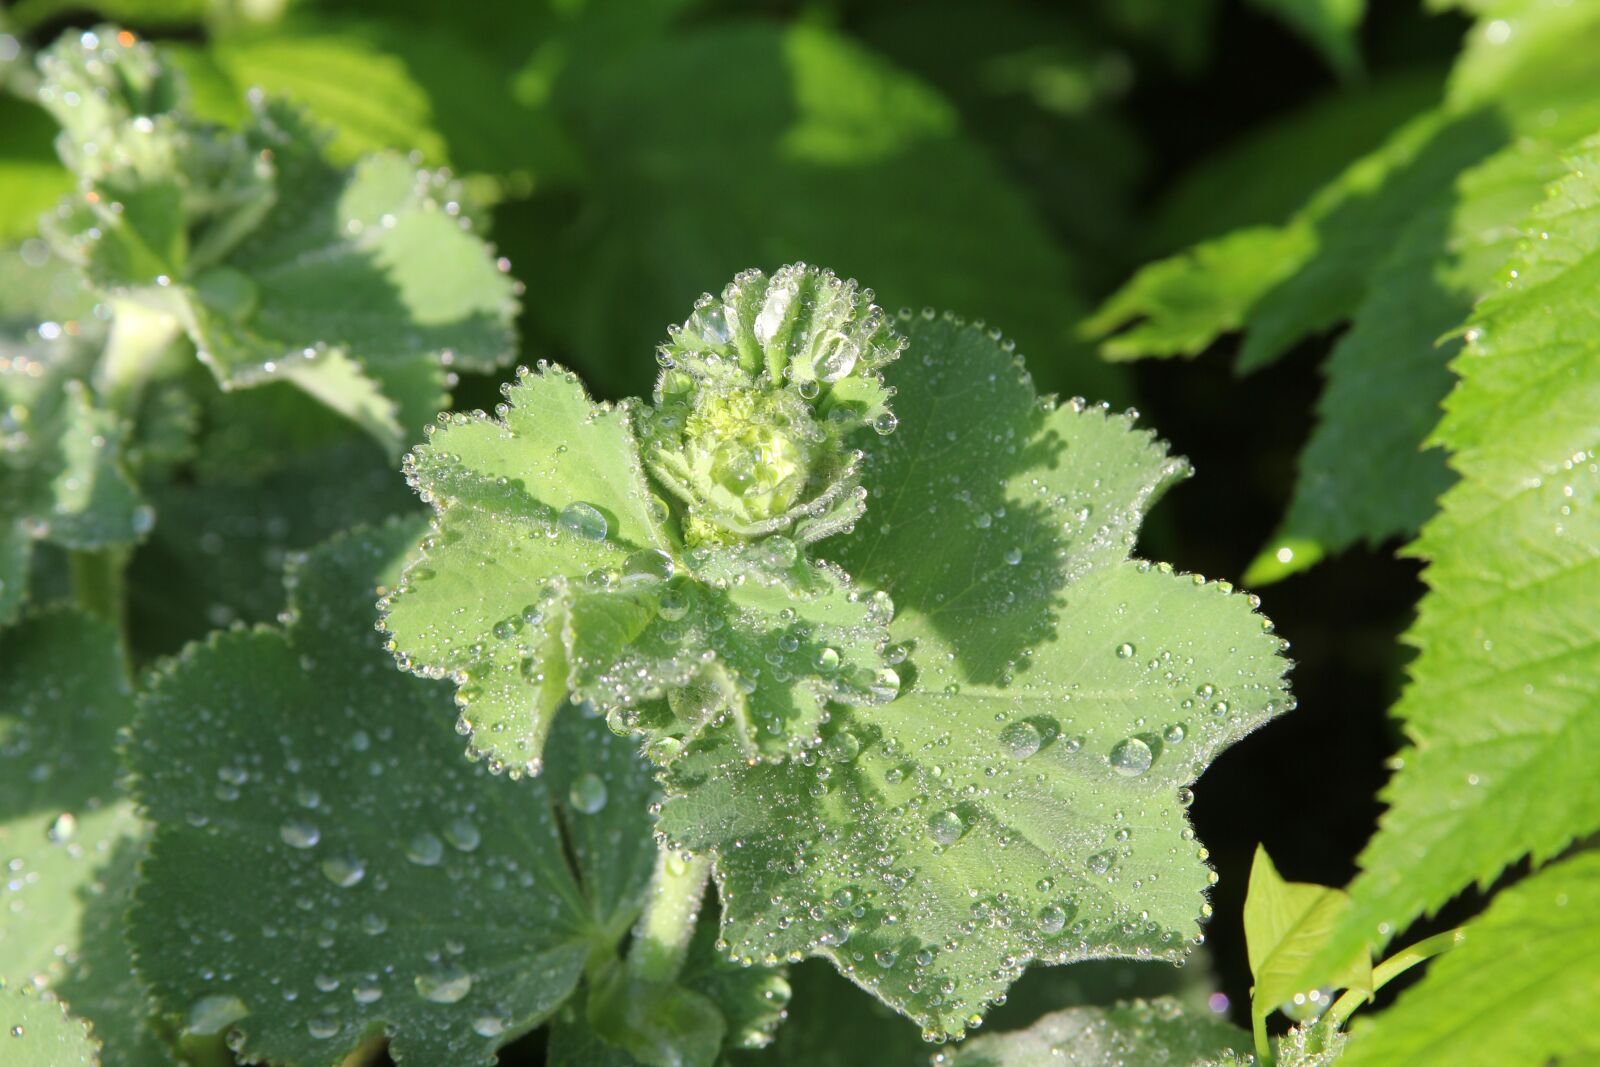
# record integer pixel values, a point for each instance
(758, 391)
(362, 285)
(1501, 732)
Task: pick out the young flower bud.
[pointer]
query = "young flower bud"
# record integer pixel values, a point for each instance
(760, 388)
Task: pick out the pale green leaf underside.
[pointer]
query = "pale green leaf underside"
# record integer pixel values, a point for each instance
(1160, 1031)
(447, 915)
(38, 1032)
(69, 838)
(525, 611)
(1022, 798)
(1543, 932)
(1285, 924)
(1501, 724)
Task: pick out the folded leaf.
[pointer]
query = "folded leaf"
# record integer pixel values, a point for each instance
(1286, 924)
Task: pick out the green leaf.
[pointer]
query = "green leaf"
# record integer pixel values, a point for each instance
(448, 916)
(1023, 798)
(71, 840)
(550, 573)
(1500, 730)
(780, 144)
(62, 473)
(1266, 174)
(273, 473)
(1143, 1031)
(1542, 933)
(1328, 25)
(383, 82)
(1364, 475)
(1285, 924)
(32, 180)
(40, 1033)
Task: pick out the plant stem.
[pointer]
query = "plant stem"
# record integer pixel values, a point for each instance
(661, 937)
(139, 338)
(1392, 968)
(97, 582)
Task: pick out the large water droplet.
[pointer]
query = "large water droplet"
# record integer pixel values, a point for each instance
(214, 1014)
(462, 835)
(946, 826)
(676, 600)
(425, 850)
(885, 684)
(298, 833)
(582, 520)
(836, 357)
(646, 566)
(1125, 651)
(1052, 919)
(1020, 739)
(344, 871)
(1132, 757)
(588, 794)
(446, 986)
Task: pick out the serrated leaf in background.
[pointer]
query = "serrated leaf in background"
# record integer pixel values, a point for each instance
(1024, 796)
(1519, 989)
(69, 837)
(447, 914)
(1499, 713)
(1451, 185)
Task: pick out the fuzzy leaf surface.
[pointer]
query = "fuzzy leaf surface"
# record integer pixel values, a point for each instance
(449, 915)
(1500, 719)
(552, 572)
(40, 1033)
(1023, 798)
(69, 836)
(1160, 1031)
(1545, 931)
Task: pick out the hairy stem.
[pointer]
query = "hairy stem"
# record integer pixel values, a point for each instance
(97, 582)
(1392, 968)
(661, 937)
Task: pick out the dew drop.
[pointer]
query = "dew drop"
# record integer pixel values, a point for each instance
(1020, 739)
(826, 660)
(1125, 651)
(298, 833)
(425, 850)
(583, 521)
(588, 794)
(344, 871)
(647, 566)
(886, 423)
(214, 1014)
(1131, 757)
(446, 986)
(1052, 919)
(946, 826)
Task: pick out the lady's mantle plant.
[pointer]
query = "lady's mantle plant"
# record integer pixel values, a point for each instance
(933, 797)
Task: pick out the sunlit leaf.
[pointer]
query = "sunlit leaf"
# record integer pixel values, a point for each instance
(1499, 716)
(1023, 798)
